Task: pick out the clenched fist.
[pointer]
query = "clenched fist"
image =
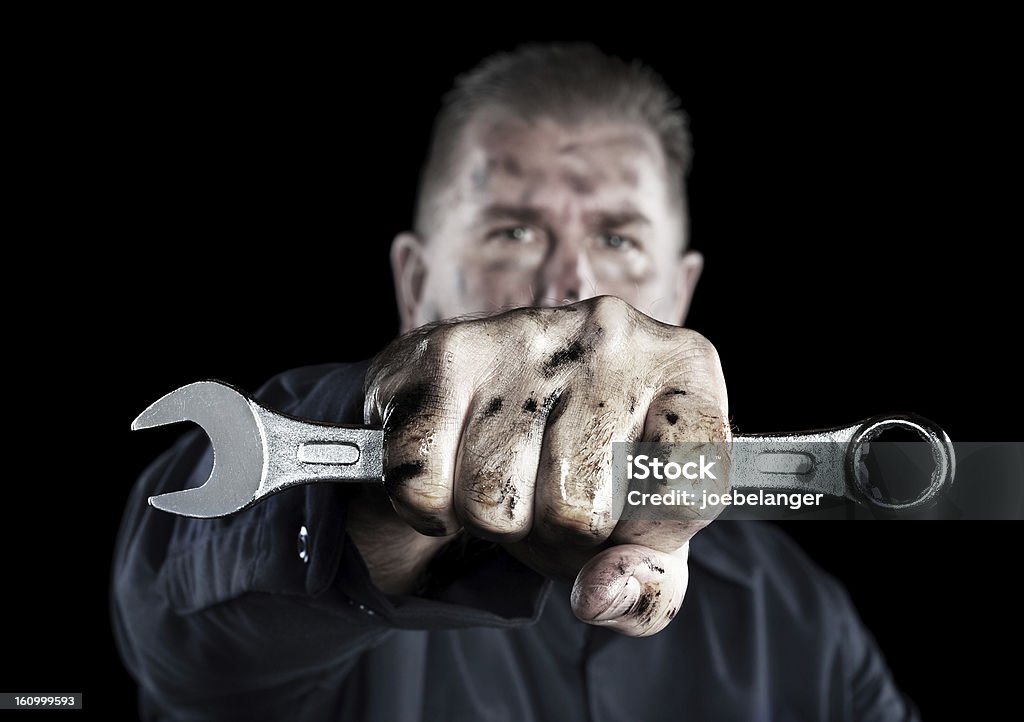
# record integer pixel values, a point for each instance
(503, 427)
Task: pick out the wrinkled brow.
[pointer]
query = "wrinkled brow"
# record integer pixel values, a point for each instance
(537, 216)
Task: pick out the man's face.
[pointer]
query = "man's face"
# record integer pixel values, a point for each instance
(540, 214)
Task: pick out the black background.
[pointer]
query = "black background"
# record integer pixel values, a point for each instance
(847, 199)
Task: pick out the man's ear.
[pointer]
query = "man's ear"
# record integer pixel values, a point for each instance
(409, 268)
(688, 273)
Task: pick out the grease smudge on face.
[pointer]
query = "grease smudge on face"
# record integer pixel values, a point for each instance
(563, 183)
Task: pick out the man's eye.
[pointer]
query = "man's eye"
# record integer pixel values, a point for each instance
(516, 234)
(617, 242)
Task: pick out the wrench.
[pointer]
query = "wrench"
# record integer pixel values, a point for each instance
(258, 452)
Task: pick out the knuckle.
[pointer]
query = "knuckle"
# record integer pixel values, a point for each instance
(609, 323)
(420, 495)
(423, 499)
(426, 509)
(692, 353)
(411, 419)
(495, 522)
(447, 339)
(609, 310)
(697, 345)
(488, 496)
(574, 525)
(465, 345)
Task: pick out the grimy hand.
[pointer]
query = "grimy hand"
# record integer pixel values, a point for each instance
(503, 426)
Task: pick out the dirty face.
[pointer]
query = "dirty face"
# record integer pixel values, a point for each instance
(541, 214)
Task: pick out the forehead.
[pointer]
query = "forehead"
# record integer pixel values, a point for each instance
(522, 160)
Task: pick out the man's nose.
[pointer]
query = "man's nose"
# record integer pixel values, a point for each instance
(565, 276)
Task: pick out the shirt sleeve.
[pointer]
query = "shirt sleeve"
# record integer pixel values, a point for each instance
(230, 617)
(768, 616)
(870, 693)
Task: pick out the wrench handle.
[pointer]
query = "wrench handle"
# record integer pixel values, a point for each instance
(300, 452)
(830, 461)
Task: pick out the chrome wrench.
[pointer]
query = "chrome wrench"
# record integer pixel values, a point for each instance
(258, 452)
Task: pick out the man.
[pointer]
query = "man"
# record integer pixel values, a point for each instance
(488, 578)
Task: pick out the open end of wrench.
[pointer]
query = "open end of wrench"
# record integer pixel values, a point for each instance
(943, 458)
(229, 418)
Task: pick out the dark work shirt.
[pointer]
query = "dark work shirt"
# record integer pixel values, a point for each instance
(221, 619)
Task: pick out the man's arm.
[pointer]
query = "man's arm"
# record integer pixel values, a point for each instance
(496, 428)
(833, 667)
(223, 618)
(872, 693)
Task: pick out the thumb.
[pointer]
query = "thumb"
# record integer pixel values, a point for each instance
(632, 589)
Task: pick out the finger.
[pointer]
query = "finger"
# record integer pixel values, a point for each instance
(632, 589)
(690, 410)
(497, 464)
(573, 505)
(422, 421)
